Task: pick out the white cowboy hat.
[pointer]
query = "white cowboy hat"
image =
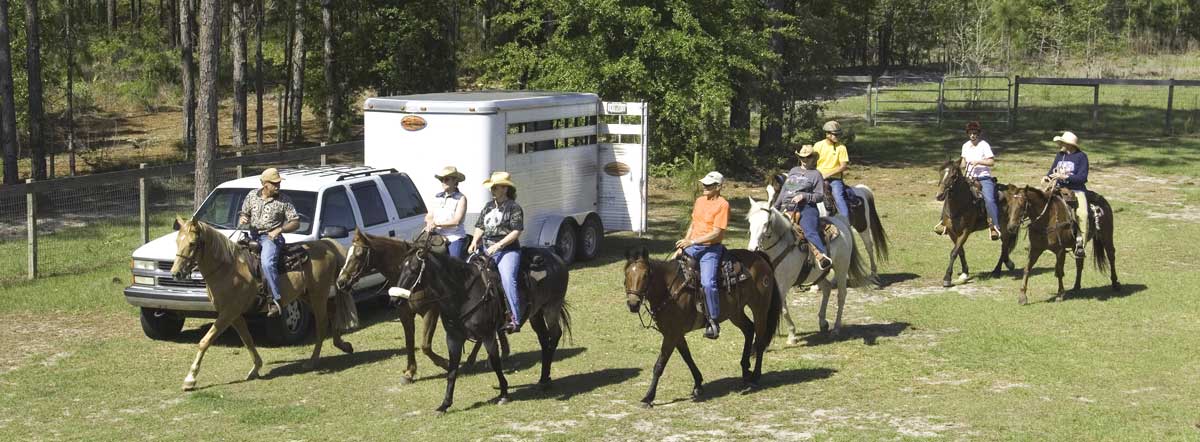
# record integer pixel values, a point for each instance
(499, 179)
(450, 171)
(713, 177)
(1067, 138)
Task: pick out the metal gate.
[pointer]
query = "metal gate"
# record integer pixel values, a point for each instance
(937, 100)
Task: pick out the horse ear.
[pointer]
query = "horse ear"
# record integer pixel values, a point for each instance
(752, 202)
(628, 255)
(644, 254)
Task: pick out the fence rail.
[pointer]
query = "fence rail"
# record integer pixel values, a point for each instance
(1095, 84)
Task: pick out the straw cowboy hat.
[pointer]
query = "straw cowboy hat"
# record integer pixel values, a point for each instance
(500, 179)
(806, 151)
(271, 175)
(451, 172)
(1067, 138)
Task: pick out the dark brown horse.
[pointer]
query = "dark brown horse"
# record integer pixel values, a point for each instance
(654, 284)
(962, 215)
(1050, 229)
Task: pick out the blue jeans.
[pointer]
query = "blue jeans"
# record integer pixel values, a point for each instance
(810, 220)
(270, 262)
(710, 261)
(458, 249)
(508, 263)
(989, 200)
(839, 196)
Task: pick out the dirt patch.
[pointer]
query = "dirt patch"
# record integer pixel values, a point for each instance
(31, 339)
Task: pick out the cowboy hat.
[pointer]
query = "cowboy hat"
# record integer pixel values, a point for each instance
(1067, 138)
(806, 151)
(271, 175)
(499, 179)
(451, 172)
(713, 177)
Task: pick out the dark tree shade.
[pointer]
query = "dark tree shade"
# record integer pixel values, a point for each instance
(33, 67)
(8, 115)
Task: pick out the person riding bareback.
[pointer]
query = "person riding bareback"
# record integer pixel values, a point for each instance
(710, 219)
(832, 161)
(799, 196)
(1070, 171)
(271, 214)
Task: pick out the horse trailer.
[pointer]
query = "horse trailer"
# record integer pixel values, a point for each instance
(579, 164)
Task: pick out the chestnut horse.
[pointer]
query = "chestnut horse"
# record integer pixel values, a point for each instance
(962, 215)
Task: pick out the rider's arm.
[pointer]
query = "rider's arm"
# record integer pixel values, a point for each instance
(459, 213)
(717, 233)
(510, 238)
(818, 192)
(290, 226)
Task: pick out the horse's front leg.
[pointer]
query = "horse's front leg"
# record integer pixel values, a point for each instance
(841, 299)
(787, 317)
(1059, 262)
(497, 364)
(430, 322)
(406, 321)
(664, 354)
(955, 253)
(454, 346)
(1078, 273)
(243, 331)
(320, 312)
(223, 321)
(1034, 254)
(697, 378)
(825, 286)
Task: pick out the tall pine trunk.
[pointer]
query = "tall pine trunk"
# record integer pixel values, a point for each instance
(186, 68)
(258, 72)
(331, 82)
(237, 34)
(771, 136)
(70, 12)
(33, 68)
(8, 116)
(110, 15)
(297, 95)
(206, 127)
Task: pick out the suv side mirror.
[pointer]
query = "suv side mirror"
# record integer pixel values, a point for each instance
(336, 232)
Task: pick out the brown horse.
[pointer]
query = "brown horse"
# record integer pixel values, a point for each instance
(369, 253)
(962, 215)
(653, 283)
(233, 290)
(1050, 229)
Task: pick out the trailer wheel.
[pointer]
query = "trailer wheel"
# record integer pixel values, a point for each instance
(567, 243)
(590, 237)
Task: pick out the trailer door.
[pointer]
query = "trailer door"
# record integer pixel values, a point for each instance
(622, 144)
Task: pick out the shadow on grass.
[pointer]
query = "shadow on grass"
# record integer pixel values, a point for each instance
(1099, 293)
(869, 333)
(887, 279)
(770, 379)
(570, 386)
(329, 363)
(515, 361)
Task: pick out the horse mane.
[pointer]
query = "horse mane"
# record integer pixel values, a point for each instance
(217, 246)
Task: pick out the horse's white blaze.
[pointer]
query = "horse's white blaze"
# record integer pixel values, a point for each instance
(349, 253)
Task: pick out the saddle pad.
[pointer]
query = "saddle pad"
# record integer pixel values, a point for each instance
(730, 273)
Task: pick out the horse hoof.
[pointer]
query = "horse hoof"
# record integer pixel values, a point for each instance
(545, 385)
(750, 385)
(189, 386)
(1116, 287)
(947, 284)
(406, 380)
(792, 340)
(252, 375)
(345, 347)
(964, 277)
(1022, 300)
(824, 327)
(647, 405)
(696, 393)
(502, 401)
(440, 411)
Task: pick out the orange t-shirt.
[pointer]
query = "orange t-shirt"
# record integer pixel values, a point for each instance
(709, 215)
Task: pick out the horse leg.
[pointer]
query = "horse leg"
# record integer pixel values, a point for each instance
(1034, 253)
(474, 352)
(497, 364)
(664, 354)
(504, 348)
(954, 252)
(787, 317)
(869, 243)
(744, 324)
(841, 287)
(319, 308)
(223, 321)
(1078, 273)
(1112, 263)
(454, 346)
(431, 321)
(548, 336)
(962, 259)
(243, 332)
(825, 287)
(406, 320)
(1059, 261)
(1007, 242)
(697, 378)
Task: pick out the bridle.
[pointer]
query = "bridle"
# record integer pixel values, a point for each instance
(775, 261)
(643, 299)
(363, 267)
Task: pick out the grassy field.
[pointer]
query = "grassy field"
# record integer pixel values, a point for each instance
(916, 361)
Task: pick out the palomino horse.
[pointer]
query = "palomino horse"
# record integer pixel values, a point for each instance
(472, 304)
(1050, 229)
(233, 290)
(865, 220)
(771, 233)
(655, 284)
(962, 216)
(382, 254)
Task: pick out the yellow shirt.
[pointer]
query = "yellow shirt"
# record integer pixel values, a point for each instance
(830, 157)
(709, 215)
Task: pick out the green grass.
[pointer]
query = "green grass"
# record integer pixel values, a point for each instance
(918, 361)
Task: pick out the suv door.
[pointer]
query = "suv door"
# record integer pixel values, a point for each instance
(337, 210)
(406, 199)
(375, 217)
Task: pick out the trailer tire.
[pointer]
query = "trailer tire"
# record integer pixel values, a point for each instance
(591, 235)
(566, 244)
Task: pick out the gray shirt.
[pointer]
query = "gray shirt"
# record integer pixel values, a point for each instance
(267, 214)
(800, 181)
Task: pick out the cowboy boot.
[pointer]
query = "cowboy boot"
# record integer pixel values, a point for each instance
(713, 331)
(823, 262)
(273, 309)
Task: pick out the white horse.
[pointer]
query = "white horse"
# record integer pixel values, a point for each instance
(771, 233)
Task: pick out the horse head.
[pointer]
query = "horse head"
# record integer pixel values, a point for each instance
(774, 184)
(358, 261)
(1025, 203)
(950, 174)
(189, 244)
(637, 277)
(412, 272)
(759, 217)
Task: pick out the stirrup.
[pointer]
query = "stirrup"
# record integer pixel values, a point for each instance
(274, 309)
(993, 232)
(824, 262)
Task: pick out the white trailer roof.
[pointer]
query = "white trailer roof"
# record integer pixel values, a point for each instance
(483, 102)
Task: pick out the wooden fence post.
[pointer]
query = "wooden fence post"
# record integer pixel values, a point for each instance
(1170, 103)
(239, 167)
(941, 100)
(142, 199)
(1016, 103)
(1095, 105)
(31, 228)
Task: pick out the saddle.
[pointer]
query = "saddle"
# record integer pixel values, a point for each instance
(852, 199)
(291, 258)
(534, 268)
(730, 272)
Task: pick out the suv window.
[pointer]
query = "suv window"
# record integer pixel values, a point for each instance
(221, 208)
(404, 195)
(370, 204)
(336, 209)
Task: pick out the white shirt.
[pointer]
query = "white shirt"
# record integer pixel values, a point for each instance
(444, 208)
(974, 153)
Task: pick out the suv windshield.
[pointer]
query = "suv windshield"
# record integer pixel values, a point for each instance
(222, 206)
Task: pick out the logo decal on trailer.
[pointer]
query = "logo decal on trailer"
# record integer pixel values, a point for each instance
(412, 123)
(616, 168)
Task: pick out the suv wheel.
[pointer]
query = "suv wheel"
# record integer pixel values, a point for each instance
(160, 324)
(292, 325)
(567, 243)
(590, 236)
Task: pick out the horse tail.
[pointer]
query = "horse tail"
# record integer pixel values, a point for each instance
(345, 311)
(1100, 241)
(857, 276)
(877, 232)
(774, 311)
(564, 321)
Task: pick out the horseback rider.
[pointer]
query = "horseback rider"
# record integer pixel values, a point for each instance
(450, 207)
(799, 196)
(1070, 171)
(832, 160)
(977, 160)
(710, 219)
(499, 230)
(271, 214)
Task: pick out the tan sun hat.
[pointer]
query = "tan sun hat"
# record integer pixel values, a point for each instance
(271, 175)
(832, 126)
(1068, 138)
(806, 151)
(452, 172)
(500, 178)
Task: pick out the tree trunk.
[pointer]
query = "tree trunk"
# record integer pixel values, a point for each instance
(111, 15)
(206, 127)
(296, 114)
(771, 136)
(331, 82)
(258, 72)
(237, 34)
(186, 70)
(739, 105)
(283, 129)
(70, 90)
(33, 68)
(8, 117)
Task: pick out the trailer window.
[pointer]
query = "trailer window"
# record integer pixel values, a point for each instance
(551, 142)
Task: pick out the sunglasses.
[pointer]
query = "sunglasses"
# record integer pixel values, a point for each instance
(710, 186)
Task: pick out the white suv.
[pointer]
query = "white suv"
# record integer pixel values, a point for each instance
(331, 201)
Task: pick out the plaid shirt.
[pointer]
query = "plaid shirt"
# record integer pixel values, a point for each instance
(267, 214)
